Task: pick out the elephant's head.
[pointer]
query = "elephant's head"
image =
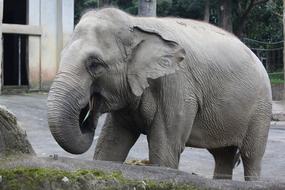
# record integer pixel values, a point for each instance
(105, 67)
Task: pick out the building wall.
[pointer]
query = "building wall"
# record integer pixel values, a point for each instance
(1, 42)
(57, 26)
(68, 23)
(49, 49)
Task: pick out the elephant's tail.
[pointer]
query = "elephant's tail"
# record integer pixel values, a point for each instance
(237, 159)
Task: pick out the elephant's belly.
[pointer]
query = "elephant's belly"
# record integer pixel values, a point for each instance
(197, 140)
(215, 137)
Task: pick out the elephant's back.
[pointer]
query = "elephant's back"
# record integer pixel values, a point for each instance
(216, 54)
(208, 48)
(216, 60)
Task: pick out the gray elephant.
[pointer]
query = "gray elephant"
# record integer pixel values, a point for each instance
(179, 82)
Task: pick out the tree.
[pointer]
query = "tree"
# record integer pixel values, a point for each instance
(130, 6)
(187, 9)
(81, 6)
(243, 9)
(264, 22)
(102, 3)
(284, 45)
(147, 8)
(207, 11)
(225, 20)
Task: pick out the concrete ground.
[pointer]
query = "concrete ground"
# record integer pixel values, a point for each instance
(31, 112)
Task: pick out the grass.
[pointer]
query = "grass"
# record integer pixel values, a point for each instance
(277, 78)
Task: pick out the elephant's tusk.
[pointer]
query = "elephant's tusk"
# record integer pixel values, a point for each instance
(91, 104)
(87, 115)
(89, 111)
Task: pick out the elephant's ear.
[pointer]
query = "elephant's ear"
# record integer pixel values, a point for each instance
(152, 57)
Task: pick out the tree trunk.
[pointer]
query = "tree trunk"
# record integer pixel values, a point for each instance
(207, 11)
(226, 15)
(284, 44)
(147, 8)
(103, 3)
(13, 140)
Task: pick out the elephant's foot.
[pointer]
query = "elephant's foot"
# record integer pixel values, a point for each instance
(138, 162)
(252, 168)
(224, 162)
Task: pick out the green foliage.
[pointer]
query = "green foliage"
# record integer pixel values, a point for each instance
(265, 22)
(164, 7)
(81, 6)
(187, 9)
(130, 6)
(277, 78)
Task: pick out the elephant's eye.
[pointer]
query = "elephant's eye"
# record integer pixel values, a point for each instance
(95, 66)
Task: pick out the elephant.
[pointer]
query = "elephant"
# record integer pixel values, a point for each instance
(181, 82)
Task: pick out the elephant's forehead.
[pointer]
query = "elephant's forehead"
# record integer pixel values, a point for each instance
(93, 25)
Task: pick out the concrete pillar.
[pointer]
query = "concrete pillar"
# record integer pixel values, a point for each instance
(34, 52)
(48, 42)
(65, 23)
(1, 45)
(67, 20)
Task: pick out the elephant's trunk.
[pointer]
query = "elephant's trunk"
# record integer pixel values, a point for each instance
(67, 109)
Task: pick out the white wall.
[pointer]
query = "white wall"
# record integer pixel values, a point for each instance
(67, 23)
(57, 25)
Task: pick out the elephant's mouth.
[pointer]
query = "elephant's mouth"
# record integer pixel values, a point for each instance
(89, 115)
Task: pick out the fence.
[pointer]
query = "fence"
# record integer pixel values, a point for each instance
(270, 54)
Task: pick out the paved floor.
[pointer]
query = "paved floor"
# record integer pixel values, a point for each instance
(31, 112)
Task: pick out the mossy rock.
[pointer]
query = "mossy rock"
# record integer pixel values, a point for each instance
(53, 179)
(13, 140)
(66, 173)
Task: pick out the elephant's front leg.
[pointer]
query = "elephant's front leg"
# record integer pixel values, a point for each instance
(115, 140)
(168, 136)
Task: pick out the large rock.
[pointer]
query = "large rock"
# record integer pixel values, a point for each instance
(13, 140)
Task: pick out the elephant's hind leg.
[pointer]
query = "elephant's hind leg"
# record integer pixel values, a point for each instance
(224, 161)
(253, 146)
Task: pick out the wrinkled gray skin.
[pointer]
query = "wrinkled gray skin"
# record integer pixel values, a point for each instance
(180, 82)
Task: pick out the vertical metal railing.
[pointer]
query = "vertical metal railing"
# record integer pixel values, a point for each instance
(19, 61)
